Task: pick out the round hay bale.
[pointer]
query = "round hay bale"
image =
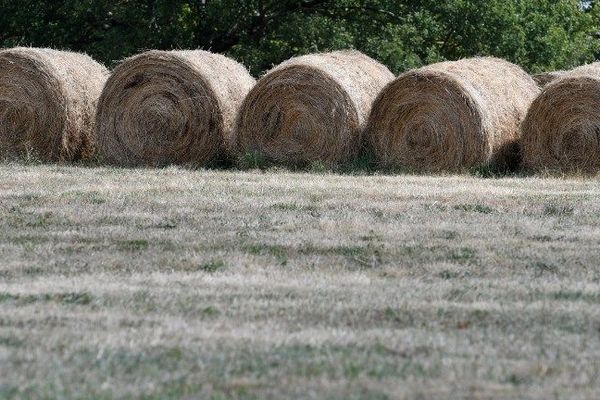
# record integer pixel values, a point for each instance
(170, 107)
(451, 116)
(47, 103)
(546, 78)
(310, 109)
(562, 129)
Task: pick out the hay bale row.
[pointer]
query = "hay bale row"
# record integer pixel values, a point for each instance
(562, 129)
(195, 107)
(47, 103)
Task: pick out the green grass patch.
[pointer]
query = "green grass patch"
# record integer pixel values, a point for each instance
(449, 275)
(73, 298)
(567, 295)
(29, 240)
(279, 252)
(167, 224)
(558, 210)
(478, 208)
(213, 266)
(134, 244)
(11, 341)
(542, 268)
(253, 160)
(294, 207)
(462, 255)
(39, 220)
(89, 197)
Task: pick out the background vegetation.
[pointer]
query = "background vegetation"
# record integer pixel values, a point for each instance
(538, 34)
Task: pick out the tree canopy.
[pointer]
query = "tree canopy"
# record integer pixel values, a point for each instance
(537, 34)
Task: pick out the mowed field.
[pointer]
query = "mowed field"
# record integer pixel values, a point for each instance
(171, 283)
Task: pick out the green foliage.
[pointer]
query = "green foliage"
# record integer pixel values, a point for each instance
(539, 35)
(213, 266)
(252, 160)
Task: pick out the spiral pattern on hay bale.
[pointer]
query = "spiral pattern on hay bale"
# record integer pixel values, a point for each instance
(170, 107)
(451, 116)
(310, 109)
(562, 129)
(47, 103)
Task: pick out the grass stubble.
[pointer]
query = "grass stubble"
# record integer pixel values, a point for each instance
(171, 283)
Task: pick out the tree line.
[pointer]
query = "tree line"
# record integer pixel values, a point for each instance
(540, 35)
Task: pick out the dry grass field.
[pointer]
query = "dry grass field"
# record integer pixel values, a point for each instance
(125, 283)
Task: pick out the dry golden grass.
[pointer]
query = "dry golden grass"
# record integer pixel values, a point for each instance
(194, 284)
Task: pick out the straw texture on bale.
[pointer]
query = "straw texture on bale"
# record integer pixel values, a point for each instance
(311, 109)
(546, 78)
(562, 129)
(47, 103)
(170, 107)
(451, 116)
